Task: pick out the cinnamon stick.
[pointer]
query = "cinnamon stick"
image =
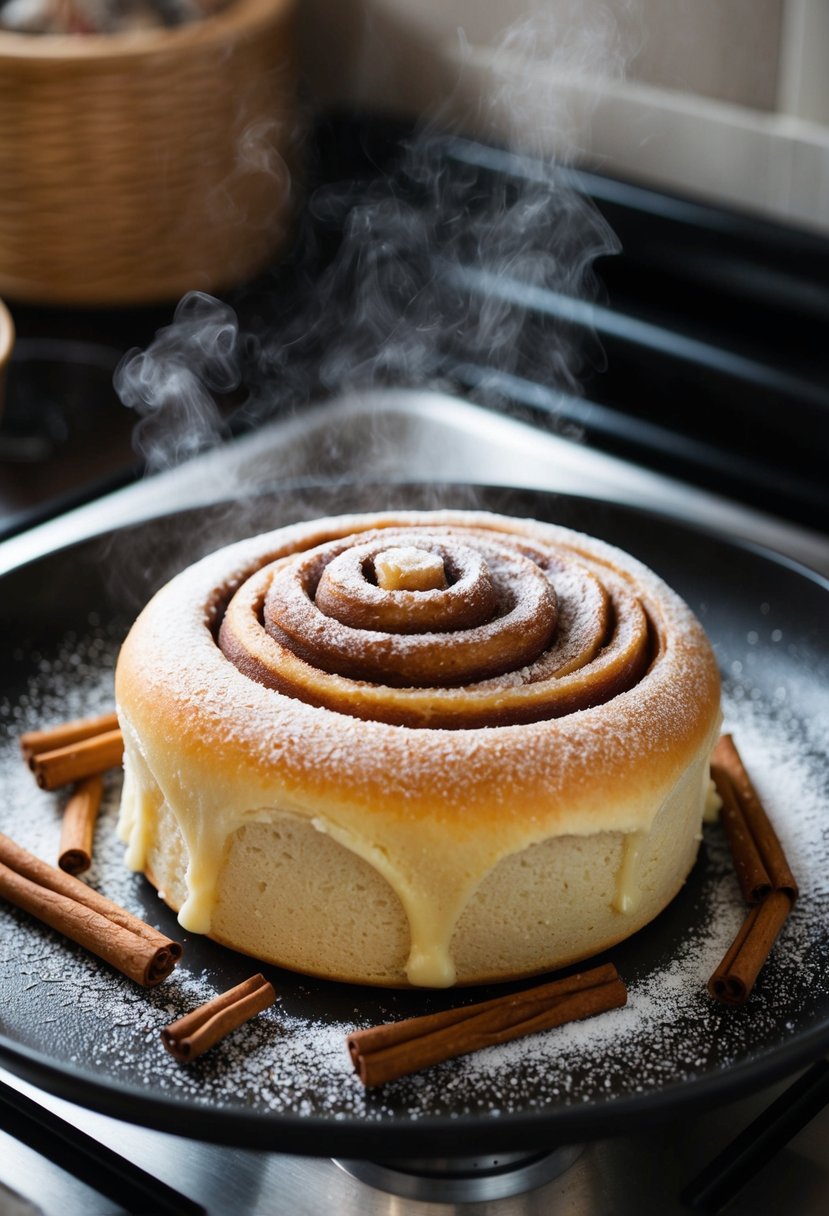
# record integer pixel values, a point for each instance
(735, 977)
(78, 827)
(383, 1053)
(63, 765)
(85, 916)
(759, 859)
(33, 742)
(762, 870)
(199, 1030)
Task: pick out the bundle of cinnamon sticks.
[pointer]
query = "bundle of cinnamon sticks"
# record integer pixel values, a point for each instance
(384, 1053)
(75, 754)
(764, 875)
(192, 1035)
(84, 916)
(67, 753)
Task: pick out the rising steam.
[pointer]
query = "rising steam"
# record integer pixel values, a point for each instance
(174, 384)
(415, 287)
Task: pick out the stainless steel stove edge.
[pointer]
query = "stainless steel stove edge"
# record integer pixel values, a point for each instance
(419, 436)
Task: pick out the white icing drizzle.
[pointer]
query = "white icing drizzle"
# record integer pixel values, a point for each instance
(206, 837)
(627, 894)
(208, 820)
(208, 823)
(431, 922)
(713, 803)
(140, 801)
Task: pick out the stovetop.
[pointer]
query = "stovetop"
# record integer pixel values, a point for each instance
(626, 1175)
(406, 431)
(693, 384)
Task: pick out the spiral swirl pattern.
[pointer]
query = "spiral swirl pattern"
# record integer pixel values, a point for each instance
(443, 627)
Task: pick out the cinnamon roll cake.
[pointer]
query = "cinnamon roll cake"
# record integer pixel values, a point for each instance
(416, 748)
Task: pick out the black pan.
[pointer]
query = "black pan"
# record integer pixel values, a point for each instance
(80, 1030)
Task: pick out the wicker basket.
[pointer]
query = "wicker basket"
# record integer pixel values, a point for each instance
(135, 167)
(6, 347)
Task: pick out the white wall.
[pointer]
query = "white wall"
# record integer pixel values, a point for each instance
(724, 99)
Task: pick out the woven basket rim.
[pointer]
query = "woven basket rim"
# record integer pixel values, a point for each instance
(236, 17)
(6, 335)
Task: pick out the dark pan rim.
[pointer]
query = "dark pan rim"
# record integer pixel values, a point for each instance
(362, 1138)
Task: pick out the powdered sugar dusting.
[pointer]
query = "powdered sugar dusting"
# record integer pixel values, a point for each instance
(550, 766)
(290, 1063)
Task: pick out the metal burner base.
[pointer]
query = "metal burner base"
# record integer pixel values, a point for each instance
(463, 1179)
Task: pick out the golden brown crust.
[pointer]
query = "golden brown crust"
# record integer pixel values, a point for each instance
(649, 732)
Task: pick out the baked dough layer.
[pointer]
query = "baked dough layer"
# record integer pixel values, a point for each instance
(386, 852)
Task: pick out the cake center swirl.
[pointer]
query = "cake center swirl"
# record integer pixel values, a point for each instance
(439, 627)
(407, 568)
(496, 611)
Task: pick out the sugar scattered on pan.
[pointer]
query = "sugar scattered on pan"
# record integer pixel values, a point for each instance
(283, 1062)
